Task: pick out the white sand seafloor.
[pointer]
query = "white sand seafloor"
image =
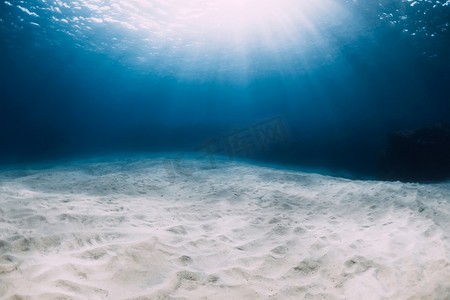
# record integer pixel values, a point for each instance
(118, 229)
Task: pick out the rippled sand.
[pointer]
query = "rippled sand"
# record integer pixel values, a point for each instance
(122, 229)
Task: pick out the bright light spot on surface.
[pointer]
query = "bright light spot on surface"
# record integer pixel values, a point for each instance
(225, 20)
(219, 34)
(199, 36)
(204, 37)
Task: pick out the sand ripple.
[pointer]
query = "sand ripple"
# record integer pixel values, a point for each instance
(119, 230)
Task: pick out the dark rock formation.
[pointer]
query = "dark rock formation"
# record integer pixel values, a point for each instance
(421, 155)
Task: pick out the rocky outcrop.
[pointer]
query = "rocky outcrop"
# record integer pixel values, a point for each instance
(419, 155)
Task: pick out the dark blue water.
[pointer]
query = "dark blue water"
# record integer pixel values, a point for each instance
(316, 84)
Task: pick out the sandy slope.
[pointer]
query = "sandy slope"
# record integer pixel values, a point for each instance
(118, 229)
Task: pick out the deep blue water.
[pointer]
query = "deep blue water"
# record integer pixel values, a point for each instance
(97, 77)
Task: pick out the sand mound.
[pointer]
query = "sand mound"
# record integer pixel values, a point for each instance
(119, 229)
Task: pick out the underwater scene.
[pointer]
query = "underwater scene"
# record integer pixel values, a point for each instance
(225, 149)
